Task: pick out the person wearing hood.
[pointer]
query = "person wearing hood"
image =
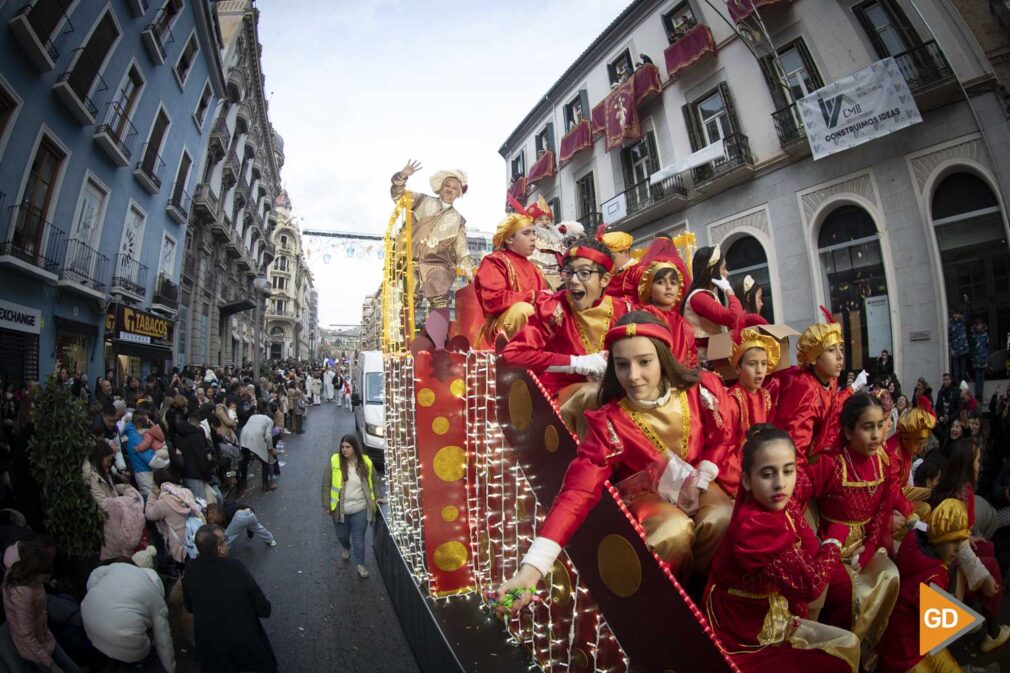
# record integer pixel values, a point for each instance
(257, 441)
(170, 505)
(126, 602)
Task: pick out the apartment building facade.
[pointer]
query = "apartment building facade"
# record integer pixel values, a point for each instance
(291, 324)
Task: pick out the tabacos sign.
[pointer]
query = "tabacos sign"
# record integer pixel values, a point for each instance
(135, 325)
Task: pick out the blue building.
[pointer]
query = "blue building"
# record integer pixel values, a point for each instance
(105, 113)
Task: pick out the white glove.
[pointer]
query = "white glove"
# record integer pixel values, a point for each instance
(593, 364)
(860, 381)
(723, 285)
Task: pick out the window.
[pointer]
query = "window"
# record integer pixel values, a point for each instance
(8, 108)
(126, 101)
(179, 196)
(39, 198)
(799, 76)
(90, 60)
(519, 165)
(200, 116)
(281, 264)
(714, 119)
(279, 306)
(887, 27)
(152, 162)
(284, 241)
(555, 205)
(186, 59)
(585, 188)
(678, 21)
(87, 227)
(620, 68)
(544, 140)
(47, 15)
(746, 257)
(165, 19)
(576, 110)
(711, 119)
(639, 162)
(280, 283)
(375, 388)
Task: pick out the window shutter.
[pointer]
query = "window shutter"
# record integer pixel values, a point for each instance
(612, 72)
(693, 126)
(629, 178)
(727, 100)
(587, 112)
(901, 22)
(550, 137)
(768, 69)
(555, 205)
(650, 140)
(878, 44)
(808, 61)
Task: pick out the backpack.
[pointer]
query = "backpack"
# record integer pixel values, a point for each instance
(193, 524)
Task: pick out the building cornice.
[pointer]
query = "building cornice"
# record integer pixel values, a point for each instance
(250, 21)
(208, 32)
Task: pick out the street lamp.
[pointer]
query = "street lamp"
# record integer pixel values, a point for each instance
(261, 290)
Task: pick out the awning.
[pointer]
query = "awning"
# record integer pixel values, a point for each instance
(237, 306)
(689, 49)
(76, 327)
(152, 351)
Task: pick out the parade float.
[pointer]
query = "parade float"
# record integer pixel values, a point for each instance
(476, 454)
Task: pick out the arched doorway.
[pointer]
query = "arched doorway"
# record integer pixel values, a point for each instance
(968, 223)
(276, 342)
(746, 256)
(852, 273)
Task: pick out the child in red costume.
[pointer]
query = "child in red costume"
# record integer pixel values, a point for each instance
(769, 567)
(657, 284)
(852, 486)
(562, 343)
(750, 404)
(657, 417)
(903, 447)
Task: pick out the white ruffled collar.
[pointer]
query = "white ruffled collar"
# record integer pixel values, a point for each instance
(652, 404)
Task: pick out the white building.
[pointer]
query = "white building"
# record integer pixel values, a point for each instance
(291, 309)
(889, 235)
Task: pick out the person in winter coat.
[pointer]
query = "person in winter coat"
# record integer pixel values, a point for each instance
(957, 342)
(123, 604)
(192, 443)
(257, 441)
(979, 338)
(227, 606)
(153, 439)
(170, 505)
(24, 598)
(121, 505)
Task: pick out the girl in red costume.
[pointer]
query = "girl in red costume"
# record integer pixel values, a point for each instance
(853, 486)
(702, 307)
(809, 398)
(753, 356)
(658, 283)
(656, 416)
(769, 567)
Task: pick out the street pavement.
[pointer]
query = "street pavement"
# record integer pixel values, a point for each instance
(325, 617)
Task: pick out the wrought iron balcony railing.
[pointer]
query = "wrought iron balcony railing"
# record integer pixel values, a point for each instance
(120, 131)
(166, 293)
(737, 155)
(32, 239)
(129, 275)
(923, 66)
(85, 80)
(86, 266)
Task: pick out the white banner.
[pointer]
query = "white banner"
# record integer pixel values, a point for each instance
(703, 156)
(868, 104)
(878, 325)
(20, 318)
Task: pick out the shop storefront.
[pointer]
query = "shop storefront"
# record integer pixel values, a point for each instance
(20, 327)
(137, 343)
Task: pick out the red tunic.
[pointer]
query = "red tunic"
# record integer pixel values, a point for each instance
(622, 285)
(900, 465)
(683, 334)
(553, 334)
(899, 647)
(745, 409)
(616, 446)
(809, 411)
(505, 278)
(769, 562)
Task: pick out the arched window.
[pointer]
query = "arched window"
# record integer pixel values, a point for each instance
(852, 271)
(277, 331)
(746, 256)
(970, 235)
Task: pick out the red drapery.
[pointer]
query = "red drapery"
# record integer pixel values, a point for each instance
(617, 114)
(518, 190)
(543, 168)
(741, 9)
(690, 49)
(576, 140)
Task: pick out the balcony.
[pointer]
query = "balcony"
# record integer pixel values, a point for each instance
(735, 167)
(85, 270)
(792, 134)
(32, 244)
(138, 7)
(190, 267)
(219, 137)
(178, 204)
(590, 221)
(928, 74)
(233, 246)
(644, 202)
(117, 135)
(206, 203)
(148, 170)
(33, 25)
(220, 227)
(244, 262)
(129, 278)
(157, 36)
(166, 296)
(229, 175)
(81, 87)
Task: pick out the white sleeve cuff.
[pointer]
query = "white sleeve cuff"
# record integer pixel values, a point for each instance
(542, 554)
(707, 471)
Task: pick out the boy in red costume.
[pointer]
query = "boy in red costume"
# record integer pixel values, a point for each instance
(508, 284)
(903, 447)
(563, 341)
(657, 284)
(619, 243)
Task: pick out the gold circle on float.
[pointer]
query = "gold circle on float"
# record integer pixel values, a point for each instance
(426, 397)
(457, 388)
(450, 463)
(580, 658)
(551, 439)
(450, 556)
(520, 406)
(450, 513)
(440, 425)
(560, 583)
(620, 569)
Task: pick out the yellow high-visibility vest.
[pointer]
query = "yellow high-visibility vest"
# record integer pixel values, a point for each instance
(337, 479)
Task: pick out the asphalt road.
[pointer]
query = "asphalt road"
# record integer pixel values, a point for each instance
(325, 617)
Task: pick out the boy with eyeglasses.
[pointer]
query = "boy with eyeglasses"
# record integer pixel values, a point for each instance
(562, 343)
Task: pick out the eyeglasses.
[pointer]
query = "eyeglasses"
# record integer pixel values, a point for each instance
(581, 274)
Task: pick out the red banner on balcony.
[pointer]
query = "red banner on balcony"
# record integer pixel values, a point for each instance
(689, 49)
(741, 9)
(518, 190)
(543, 168)
(617, 114)
(576, 140)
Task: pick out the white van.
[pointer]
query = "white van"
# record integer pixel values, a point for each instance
(368, 400)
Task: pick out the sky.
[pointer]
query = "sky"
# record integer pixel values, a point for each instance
(356, 88)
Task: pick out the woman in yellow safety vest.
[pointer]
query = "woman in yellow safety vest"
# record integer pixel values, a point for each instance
(349, 497)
